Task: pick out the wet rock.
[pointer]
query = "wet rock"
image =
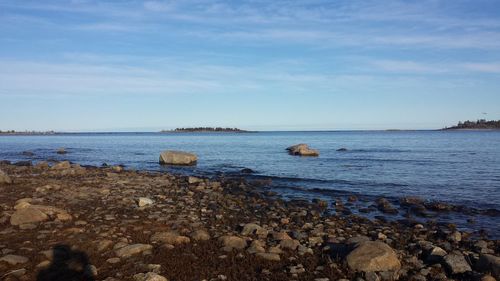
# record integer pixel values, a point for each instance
(342, 149)
(150, 276)
(27, 216)
(247, 171)
(233, 242)
(171, 157)
(4, 178)
(455, 263)
(131, 250)
(28, 153)
(14, 259)
(144, 201)
(302, 150)
(385, 206)
(61, 150)
(170, 237)
(373, 256)
(269, 256)
(489, 263)
(200, 235)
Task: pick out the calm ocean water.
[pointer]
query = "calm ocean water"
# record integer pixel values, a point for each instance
(454, 166)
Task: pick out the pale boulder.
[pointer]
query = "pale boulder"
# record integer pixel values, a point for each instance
(373, 256)
(171, 157)
(302, 150)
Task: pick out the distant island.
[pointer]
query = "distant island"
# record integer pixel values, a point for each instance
(204, 129)
(480, 124)
(17, 133)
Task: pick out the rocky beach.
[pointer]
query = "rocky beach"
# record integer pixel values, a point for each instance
(137, 225)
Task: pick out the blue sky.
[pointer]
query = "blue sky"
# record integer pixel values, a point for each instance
(266, 65)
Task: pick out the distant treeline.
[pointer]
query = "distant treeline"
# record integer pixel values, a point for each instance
(12, 132)
(479, 124)
(205, 129)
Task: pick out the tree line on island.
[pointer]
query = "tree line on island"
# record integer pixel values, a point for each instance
(479, 124)
(204, 129)
(13, 132)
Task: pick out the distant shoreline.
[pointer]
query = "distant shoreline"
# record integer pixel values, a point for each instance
(244, 132)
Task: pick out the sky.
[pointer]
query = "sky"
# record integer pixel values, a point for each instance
(85, 65)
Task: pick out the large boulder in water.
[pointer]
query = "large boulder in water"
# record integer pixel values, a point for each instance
(302, 150)
(171, 157)
(372, 256)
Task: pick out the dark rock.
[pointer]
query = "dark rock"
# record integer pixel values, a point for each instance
(489, 263)
(385, 206)
(28, 153)
(342, 149)
(23, 163)
(247, 171)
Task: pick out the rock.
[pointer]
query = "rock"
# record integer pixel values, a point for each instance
(256, 247)
(489, 263)
(14, 259)
(28, 153)
(104, 244)
(150, 276)
(200, 235)
(373, 256)
(455, 237)
(61, 150)
(358, 239)
(342, 149)
(27, 215)
(4, 178)
(436, 255)
(290, 244)
(269, 256)
(411, 201)
(171, 157)
(302, 150)
(131, 250)
(144, 201)
(62, 166)
(385, 206)
(42, 165)
(455, 263)
(488, 278)
(281, 236)
(117, 169)
(233, 242)
(169, 237)
(192, 180)
(247, 171)
(252, 228)
(113, 260)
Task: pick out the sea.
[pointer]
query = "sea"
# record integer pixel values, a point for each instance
(456, 167)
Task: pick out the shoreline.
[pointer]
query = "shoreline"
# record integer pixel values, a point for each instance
(225, 227)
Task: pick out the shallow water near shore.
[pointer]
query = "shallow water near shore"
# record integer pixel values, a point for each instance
(459, 167)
